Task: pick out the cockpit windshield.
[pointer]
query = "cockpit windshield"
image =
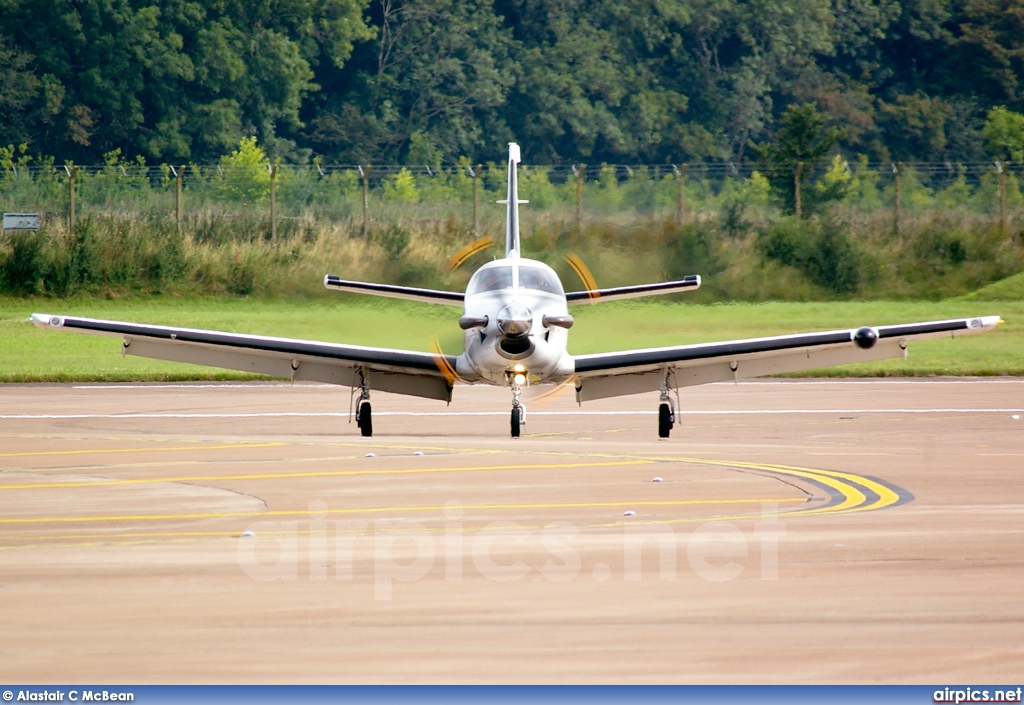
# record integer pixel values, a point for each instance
(540, 280)
(491, 279)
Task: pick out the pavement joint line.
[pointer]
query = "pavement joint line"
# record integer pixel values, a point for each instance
(320, 473)
(99, 538)
(93, 451)
(375, 510)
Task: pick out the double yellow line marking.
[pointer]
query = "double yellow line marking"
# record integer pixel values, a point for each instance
(852, 491)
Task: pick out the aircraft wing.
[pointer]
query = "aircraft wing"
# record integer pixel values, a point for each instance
(634, 371)
(400, 371)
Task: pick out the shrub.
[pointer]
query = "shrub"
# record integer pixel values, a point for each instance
(23, 266)
(822, 251)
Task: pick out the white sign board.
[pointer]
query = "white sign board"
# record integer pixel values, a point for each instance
(21, 221)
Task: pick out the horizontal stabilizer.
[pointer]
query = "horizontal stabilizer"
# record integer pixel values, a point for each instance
(630, 292)
(410, 293)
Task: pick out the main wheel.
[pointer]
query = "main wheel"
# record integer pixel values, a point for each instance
(516, 420)
(364, 417)
(664, 421)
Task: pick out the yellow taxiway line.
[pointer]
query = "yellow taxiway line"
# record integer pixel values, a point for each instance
(846, 492)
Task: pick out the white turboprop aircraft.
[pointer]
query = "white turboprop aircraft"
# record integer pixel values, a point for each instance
(516, 323)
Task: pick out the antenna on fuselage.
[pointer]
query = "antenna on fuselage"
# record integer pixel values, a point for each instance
(512, 202)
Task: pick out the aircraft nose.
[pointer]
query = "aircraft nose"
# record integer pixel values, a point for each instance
(515, 321)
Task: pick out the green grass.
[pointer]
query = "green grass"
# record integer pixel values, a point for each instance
(28, 354)
(1009, 289)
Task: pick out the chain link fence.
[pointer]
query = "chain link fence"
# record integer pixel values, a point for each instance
(360, 197)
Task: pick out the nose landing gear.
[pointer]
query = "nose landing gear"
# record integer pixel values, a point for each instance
(518, 410)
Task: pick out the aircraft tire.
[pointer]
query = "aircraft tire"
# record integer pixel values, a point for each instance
(365, 419)
(516, 420)
(664, 421)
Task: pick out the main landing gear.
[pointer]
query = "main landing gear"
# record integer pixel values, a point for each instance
(666, 407)
(666, 419)
(364, 413)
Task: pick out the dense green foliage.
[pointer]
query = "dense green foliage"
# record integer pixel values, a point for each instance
(946, 254)
(429, 81)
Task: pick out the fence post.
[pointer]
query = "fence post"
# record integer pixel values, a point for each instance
(896, 169)
(366, 200)
(681, 205)
(1002, 167)
(273, 203)
(796, 188)
(72, 171)
(178, 176)
(475, 173)
(579, 196)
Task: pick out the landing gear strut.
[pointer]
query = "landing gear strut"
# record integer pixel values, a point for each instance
(518, 410)
(364, 413)
(666, 407)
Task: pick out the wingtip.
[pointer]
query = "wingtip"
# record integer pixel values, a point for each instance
(45, 320)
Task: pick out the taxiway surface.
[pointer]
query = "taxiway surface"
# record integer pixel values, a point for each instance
(800, 531)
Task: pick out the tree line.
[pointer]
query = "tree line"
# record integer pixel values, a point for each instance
(597, 81)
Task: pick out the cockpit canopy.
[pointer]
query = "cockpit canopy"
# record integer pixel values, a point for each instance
(530, 277)
(540, 280)
(490, 279)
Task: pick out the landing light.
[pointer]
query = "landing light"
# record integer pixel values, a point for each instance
(519, 367)
(519, 379)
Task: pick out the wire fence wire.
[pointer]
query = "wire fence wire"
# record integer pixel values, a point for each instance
(357, 195)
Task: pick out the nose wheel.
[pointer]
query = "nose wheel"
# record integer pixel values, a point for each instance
(517, 420)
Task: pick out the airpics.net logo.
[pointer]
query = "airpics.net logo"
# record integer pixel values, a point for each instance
(978, 695)
(389, 551)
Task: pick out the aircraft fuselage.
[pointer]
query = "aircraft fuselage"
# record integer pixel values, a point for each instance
(516, 321)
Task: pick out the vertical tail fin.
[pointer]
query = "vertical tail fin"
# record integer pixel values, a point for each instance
(512, 202)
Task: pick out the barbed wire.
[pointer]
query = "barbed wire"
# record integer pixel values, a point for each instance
(121, 173)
